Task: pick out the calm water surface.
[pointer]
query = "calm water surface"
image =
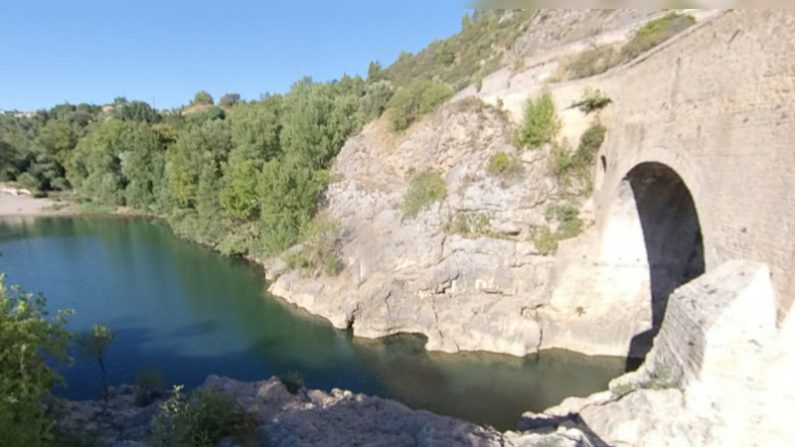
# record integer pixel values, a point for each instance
(189, 312)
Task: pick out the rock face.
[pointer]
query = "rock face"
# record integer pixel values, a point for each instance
(411, 275)
(307, 418)
(707, 379)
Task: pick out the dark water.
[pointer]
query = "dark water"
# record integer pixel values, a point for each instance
(189, 312)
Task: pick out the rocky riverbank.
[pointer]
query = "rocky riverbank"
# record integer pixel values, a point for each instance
(306, 418)
(19, 202)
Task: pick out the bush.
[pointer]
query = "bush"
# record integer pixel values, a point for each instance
(568, 219)
(656, 32)
(415, 100)
(569, 167)
(201, 419)
(424, 189)
(293, 381)
(150, 382)
(375, 99)
(469, 225)
(592, 100)
(591, 62)
(545, 240)
(318, 249)
(28, 336)
(541, 122)
(502, 164)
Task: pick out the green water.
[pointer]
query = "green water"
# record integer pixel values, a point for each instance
(190, 312)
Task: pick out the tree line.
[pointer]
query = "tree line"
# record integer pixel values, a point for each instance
(242, 176)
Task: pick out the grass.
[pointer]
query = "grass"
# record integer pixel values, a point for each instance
(598, 60)
(541, 122)
(424, 189)
(469, 225)
(96, 208)
(656, 32)
(567, 219)
(458, 60)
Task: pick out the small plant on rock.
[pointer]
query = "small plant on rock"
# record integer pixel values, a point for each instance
(592, 101)
(424, 189)
(541, 123)
(293, 381)
(201, 419)
(502, 164)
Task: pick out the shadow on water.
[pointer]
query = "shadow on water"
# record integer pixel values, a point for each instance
(187, 312)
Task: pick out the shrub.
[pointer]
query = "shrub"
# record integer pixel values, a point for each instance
(590, 143)
(592, 100)
(545, 240)
(201, 419)
(502, 164)
(28, 336)
(293, 381)
(424, 189)
(415, 100)
(318, 249)
(570, 167)
(568, 218)
(375, 99)
(591, 62)
(150, 381)
(656, 32)
(469, 225)
(541, 122)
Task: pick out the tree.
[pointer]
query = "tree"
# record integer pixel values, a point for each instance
(256, 127)
(203, 97)
(142, 159)
(229, 100)
(28, 336)
(288, 192)
(374, 71)
(96, 170)
(375, 99)
(137, 111)
(239, 195)
(185, 159)
(94, 344)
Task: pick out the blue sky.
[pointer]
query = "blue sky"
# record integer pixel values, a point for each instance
(164, 51)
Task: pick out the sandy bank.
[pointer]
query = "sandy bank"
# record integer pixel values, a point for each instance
(14, 203)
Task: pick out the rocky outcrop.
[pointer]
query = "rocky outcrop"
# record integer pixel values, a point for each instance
(307, 418)
(705, 381)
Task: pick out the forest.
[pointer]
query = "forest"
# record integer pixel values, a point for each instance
(241, 176)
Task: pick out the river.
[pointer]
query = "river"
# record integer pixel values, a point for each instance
(189, 312)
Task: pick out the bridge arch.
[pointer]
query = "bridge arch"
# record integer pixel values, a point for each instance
(653, 222)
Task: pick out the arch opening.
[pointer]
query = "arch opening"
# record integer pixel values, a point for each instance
(672, 236)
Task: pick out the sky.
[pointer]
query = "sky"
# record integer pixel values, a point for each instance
(164, 51)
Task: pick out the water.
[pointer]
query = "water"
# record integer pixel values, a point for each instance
(189, 312)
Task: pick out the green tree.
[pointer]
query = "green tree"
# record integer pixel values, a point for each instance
(28, 334)
(95, 344)
(96, 170)
(415, 100)
(374, 71)
(239, 195)
(137, 111)
(142, 160)
(375, 99)
(317, 122)
(229, 100)
(186, 157)
(255, 129)
(204, 98)
(288, 194)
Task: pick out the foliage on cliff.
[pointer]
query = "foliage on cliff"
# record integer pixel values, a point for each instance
(29, 335)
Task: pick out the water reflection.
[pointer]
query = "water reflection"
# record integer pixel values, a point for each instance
(188, 312)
